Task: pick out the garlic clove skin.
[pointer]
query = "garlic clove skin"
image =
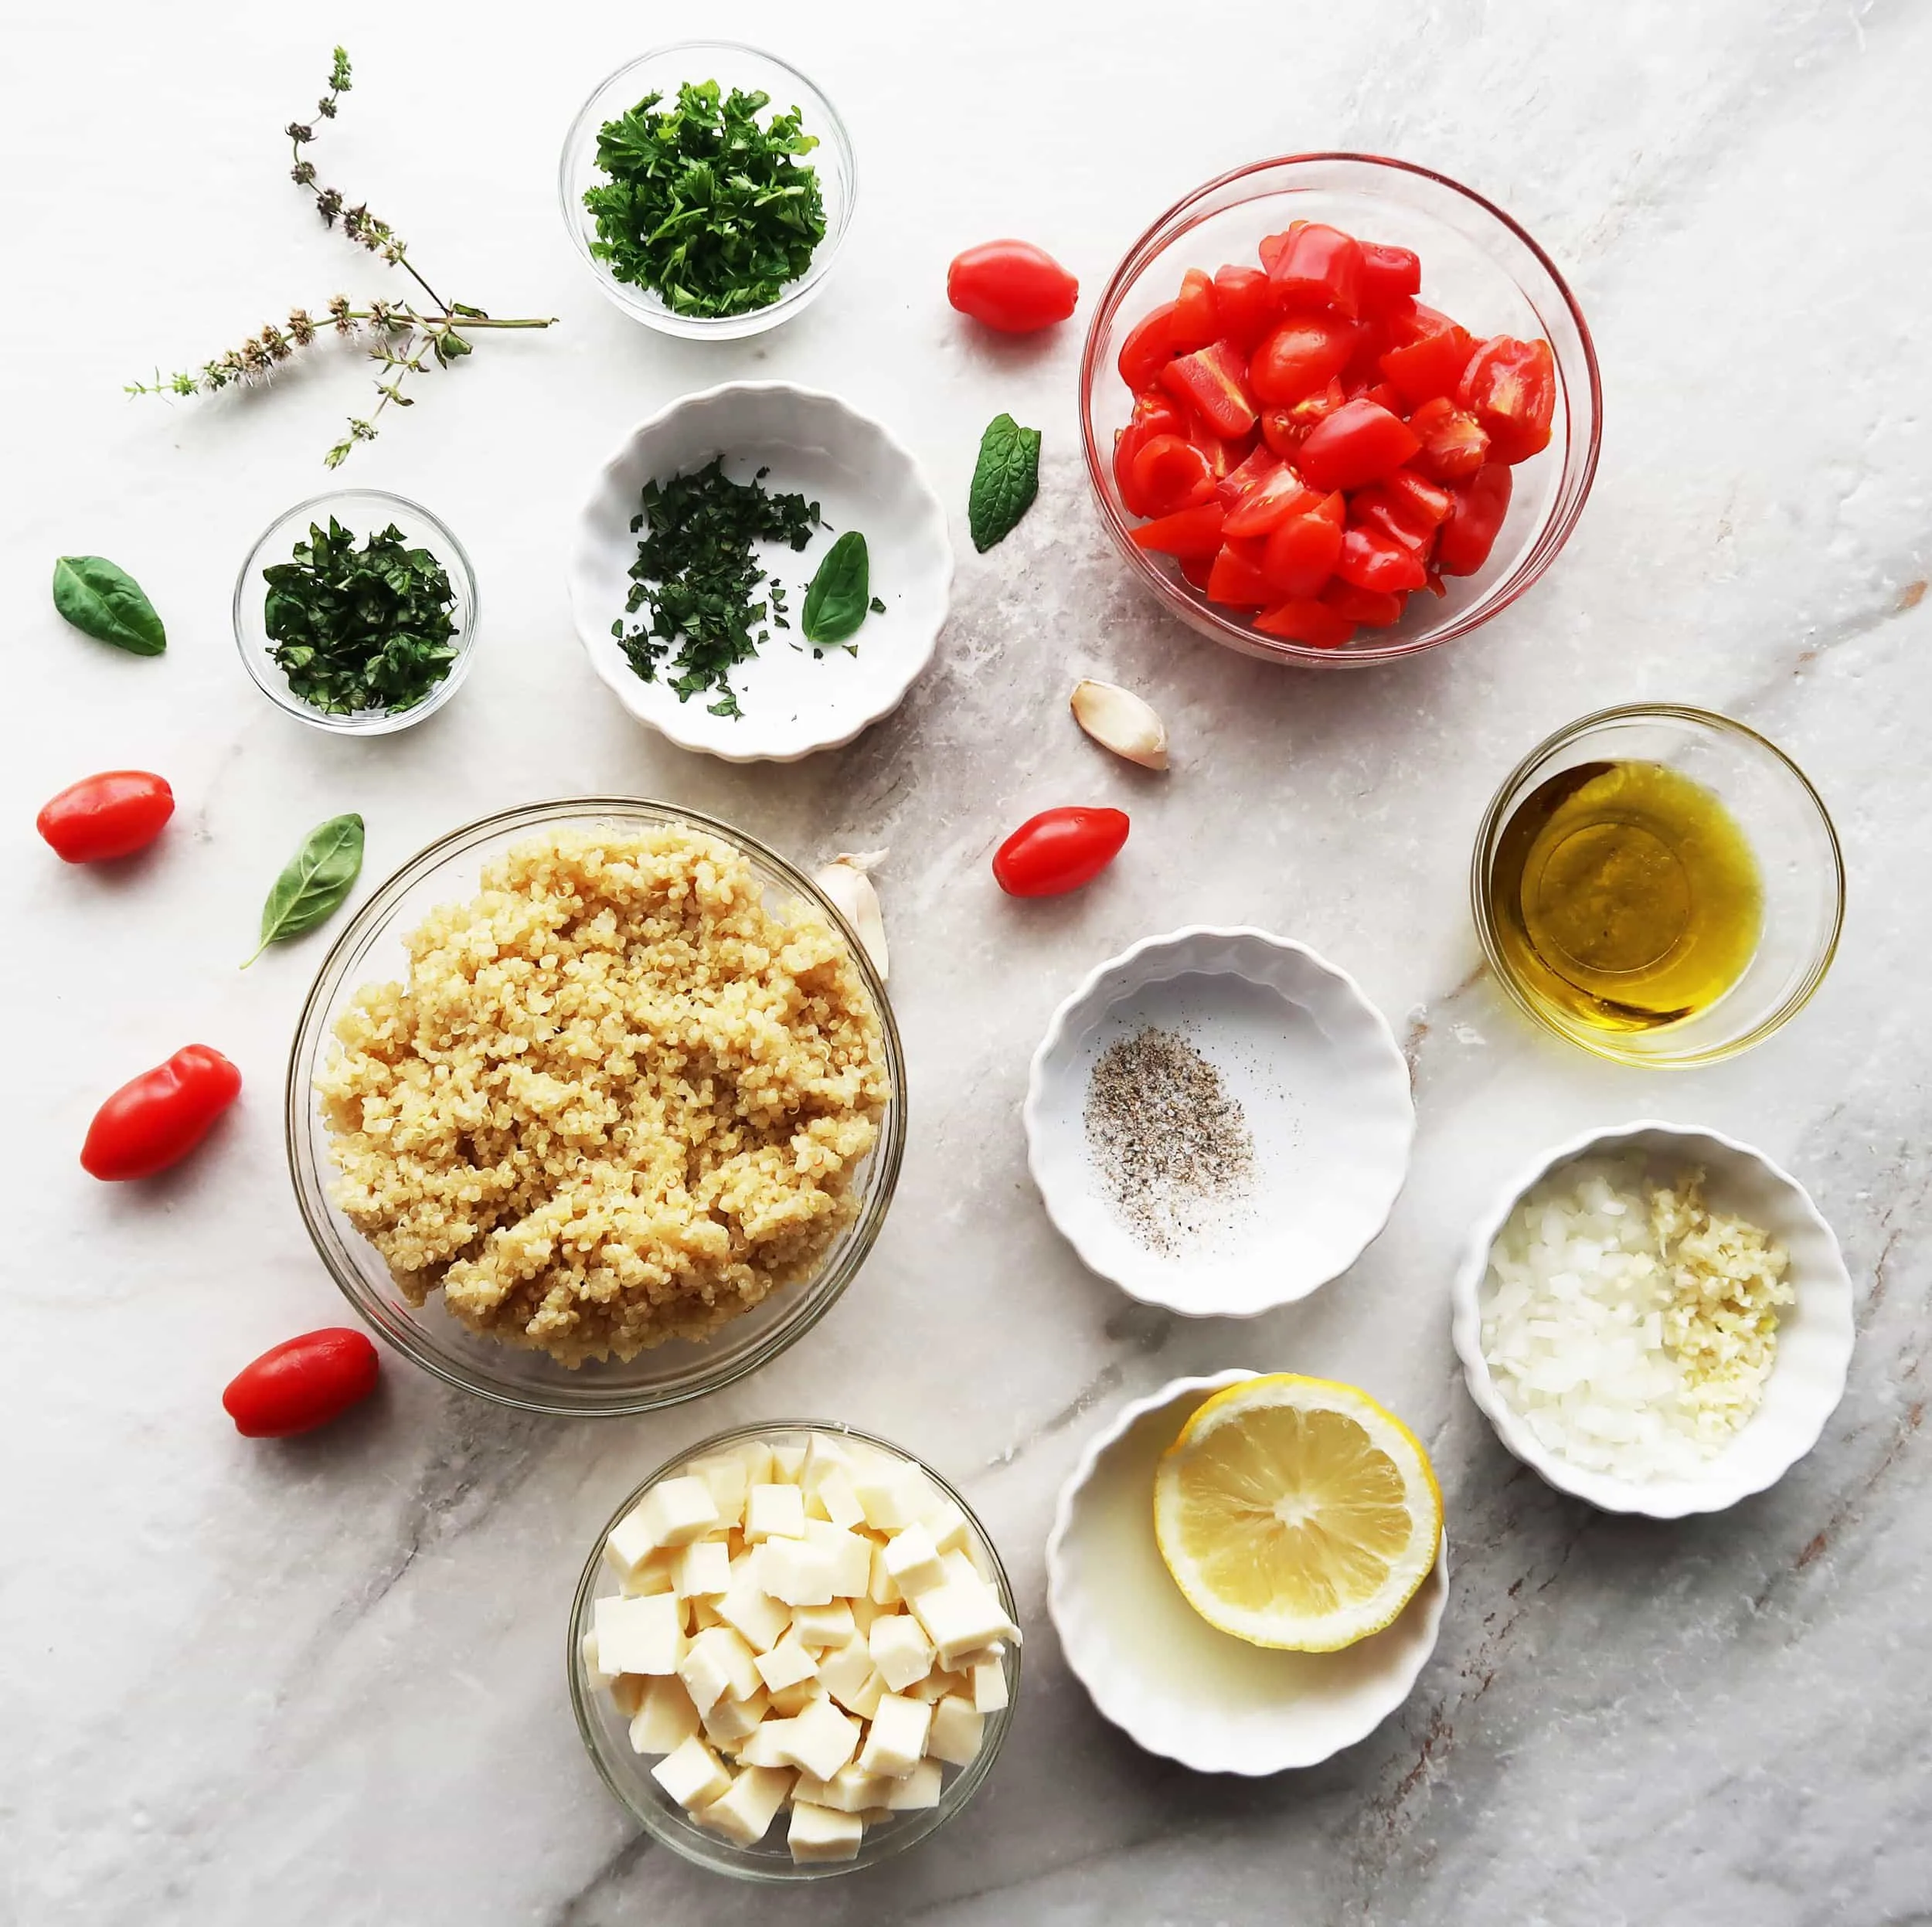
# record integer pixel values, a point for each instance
(1119, 720)
(845, 879)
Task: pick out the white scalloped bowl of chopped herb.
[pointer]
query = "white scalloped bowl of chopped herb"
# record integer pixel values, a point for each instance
(680, 244)
(738, 547)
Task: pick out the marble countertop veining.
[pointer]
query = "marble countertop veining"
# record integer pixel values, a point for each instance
(320, 1685)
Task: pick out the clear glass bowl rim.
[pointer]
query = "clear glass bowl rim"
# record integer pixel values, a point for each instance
(1494, 818)
(366, 723)
(397, 1329)
(1549, 541)
(723, 326)
(961, 1790)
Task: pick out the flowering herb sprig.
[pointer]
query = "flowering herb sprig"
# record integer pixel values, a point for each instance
(404, 336)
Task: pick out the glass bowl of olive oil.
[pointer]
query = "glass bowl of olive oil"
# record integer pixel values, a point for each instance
(1659, 885)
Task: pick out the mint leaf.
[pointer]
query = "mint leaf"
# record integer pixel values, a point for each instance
(1006, 480)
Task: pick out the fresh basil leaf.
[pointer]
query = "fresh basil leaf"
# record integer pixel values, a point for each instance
(1006, 480)
(314, 881)
(836, 601)
(106, 603)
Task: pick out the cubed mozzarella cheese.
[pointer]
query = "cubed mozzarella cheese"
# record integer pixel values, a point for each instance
(956, 1731)
(900, 1649)
(629, 1542)
(839, 1501)
(889, 1494)
(786, 1701)
(769, 1745)
(627, 1693)
(594, 1673)
(961, 1614)
(989, 1686)
(823, 1625)
(948, 1525)
(937, 1684)
(651, 1574)
(718, 1663)
(884, 1588)
(852, 1790)
(787, 1461)
(728, 1478)
(959, 1566)
(642, 1635)
(748, 1609)
(896, 1741)
(822, 1833)
(702, 1569)
(665, 1717)
(823, 1454)
(675, 1512)
(818, 1741)
(745, 1811)
(774, 1512)
(786, 1664)
(691, 1775)
(795, 1571)
(915, 1790)
(731, 1722)
(914, 1562)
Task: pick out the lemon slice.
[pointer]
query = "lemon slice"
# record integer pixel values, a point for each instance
(1296, 1512)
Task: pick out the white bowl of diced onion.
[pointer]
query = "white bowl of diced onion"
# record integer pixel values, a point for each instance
(1814, 1334)
(793, 1652)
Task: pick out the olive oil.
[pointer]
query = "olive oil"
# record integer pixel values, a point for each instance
(1625, 895)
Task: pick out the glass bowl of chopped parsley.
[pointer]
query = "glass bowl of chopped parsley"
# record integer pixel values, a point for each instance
(708, 186)
(356, 612)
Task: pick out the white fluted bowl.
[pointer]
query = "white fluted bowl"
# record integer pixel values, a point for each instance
(1175, 1684)
(793, 701)
(1814, 1335)
(1316, 1069)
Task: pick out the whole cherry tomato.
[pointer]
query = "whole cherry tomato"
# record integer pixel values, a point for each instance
(1361, 442)
(101, 817)
(157, 1120)
(1319, 264)
(1059, 850)
(302, 1384)
(1012, 286)
(1475, 519)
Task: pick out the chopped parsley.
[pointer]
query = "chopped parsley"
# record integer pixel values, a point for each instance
(697, 580)
(712, 212)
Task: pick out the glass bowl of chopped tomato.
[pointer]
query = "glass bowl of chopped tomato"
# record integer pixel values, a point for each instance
(1338, 409)
(691, 283)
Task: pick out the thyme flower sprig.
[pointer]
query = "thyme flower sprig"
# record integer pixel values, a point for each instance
(404, 336)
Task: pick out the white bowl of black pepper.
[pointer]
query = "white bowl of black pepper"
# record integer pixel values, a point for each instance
(1219, 1120)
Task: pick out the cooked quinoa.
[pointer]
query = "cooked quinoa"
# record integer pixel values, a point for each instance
(618, 1101)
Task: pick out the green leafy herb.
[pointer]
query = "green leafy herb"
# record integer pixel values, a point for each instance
(403, 338)
(313, 882)
(106, 603)
(837, 601)
(1006, 480)
(712, 212)
(877, 606)
(696, 577)
(357, 629)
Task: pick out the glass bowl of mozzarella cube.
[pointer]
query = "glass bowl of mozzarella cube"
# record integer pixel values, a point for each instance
(793, 1652)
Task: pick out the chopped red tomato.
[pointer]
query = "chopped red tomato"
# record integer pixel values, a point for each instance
(1196, 569)
(1153, 415)
(1261, 464)
(1169, 473)
(1193, 323)
(1269, 503)
(1320, 264)
(1313, 623)
(1214, 381)
(1375, 608)
(1376, 509)
(1300, 356)
(1244, 304)
(1430, 363)
(1454, 444)
(1145, 352)
(1425, 501)
(1235, 580)
(1270, 245)
(1189, 531)
(1389, 275)
(1373, 559)
(1475, 519)
(1361, 442)
(1280, 433)
(1301, 554)
(1510, 387)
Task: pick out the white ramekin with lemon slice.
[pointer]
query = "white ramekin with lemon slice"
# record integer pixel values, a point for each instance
(1154, 1665)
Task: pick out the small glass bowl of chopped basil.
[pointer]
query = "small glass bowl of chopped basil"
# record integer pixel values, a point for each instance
(356, 612)
(709, 186)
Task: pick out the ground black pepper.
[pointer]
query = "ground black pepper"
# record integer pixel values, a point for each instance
(1173, 1147)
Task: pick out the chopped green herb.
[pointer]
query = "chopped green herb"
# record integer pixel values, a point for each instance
(876, 606)
(358, 629)
(696, 579)
(836, 603)
(1005, 480)
(712, 212)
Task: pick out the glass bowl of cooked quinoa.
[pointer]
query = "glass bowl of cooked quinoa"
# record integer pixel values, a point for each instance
(596, 1106)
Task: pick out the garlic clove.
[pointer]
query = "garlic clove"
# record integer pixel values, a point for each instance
(1119, 720)
(845, 879)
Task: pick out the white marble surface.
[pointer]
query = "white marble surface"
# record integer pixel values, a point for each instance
(323, 1683)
